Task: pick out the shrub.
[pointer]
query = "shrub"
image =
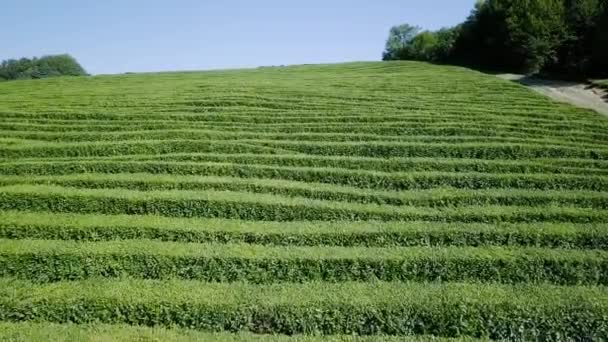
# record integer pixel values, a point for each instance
(47, 66)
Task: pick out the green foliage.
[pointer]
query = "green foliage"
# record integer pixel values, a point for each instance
(536, 30)
(246, 163)
(348, 177)
(44, 261)
(439, 197)
(599, 44)
(557, 36)
(386, 149)
(30, 225)
(44, 332)
(252, 199)
(445, 41)
(399, 38)
(43, 67)
(496, 311)
(249, 206)
(432, 198)
(423, 46)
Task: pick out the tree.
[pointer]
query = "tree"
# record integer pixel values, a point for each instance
(564, 37)
(63, 65)
(536, 30)
(422, 47)
(407, 42)
(483, 39)
(399, 39)
(47, 66)
(599, 54)
(445, 40)
(575, 53)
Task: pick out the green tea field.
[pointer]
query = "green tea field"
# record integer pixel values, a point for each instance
(368, 201)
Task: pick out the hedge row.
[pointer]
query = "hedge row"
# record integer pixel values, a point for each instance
(55, 226)
(306, 119)
(241, 114)
(362, 179)
(45, 332)
(253, 115)
(431, 198)
(405, 128)
(264, 207)
(572, 166)
(377, 149)
(522, 312)
(191, 134)
(533, 125)
(241, 117)
(126, 147)
(41, 260)
(565, 166)
(437, 150)
(470, 109)
(350, 94)
(349, 118)
(473, 129)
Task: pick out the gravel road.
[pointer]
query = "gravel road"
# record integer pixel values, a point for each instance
(579, 94)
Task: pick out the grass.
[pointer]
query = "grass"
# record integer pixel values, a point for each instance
(399, 200)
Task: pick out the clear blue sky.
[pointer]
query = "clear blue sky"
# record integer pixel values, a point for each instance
(113, 36)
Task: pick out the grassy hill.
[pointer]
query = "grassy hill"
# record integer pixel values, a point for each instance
(364, 198)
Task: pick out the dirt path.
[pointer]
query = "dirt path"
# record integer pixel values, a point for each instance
(578, 94)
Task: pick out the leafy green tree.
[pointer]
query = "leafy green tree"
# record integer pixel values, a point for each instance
(536, 31)
(47, 66)
(445, 40)
(483, 39)
(63, 65)
(599, 54)
(422, 47)
(565, 37)
(399, 39)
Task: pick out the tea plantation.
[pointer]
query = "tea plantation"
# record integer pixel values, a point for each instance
(367, 201)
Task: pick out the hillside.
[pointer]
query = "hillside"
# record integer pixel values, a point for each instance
(393, 198)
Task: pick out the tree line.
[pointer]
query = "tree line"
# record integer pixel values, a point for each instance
(47, 66)
(559, 37)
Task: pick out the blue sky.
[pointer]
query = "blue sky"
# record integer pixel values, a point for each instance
(113, 36)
